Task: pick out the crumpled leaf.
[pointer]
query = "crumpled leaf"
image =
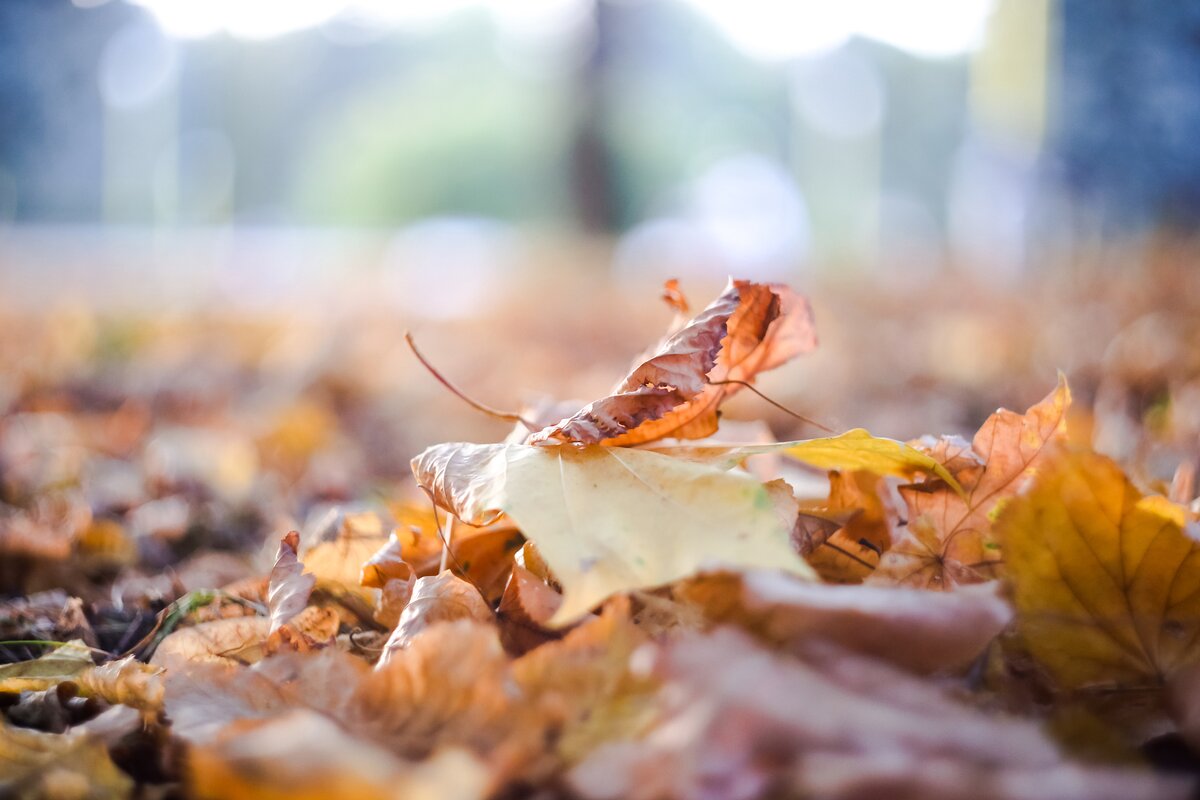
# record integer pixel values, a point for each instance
(750, 328)
(124, 682)
(584, 687)
(302, 755)
(61, 664)
(834, 726)
(610, 519)
(439, 599)
(449, 687)
(850, 553)
(239, 639)
(1106, 581)
(337, 563)
(289, 587)
(949, 538)
(67, 765)
(528, 600)
(920, 631)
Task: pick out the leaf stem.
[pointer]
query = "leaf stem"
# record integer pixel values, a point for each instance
(507, 416)
(780, 406)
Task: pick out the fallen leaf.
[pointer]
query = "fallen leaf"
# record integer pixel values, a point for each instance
(949, 536)
(528, 599)
(833, 726)
(289, 587)
(853, 450)
(61, 664)
(750, 328)
(852, 552)
(920, 631)
(68, 765)
(439, 599)
(302, 755)
(337, 563)
(239, 639)
(1106, 580)
(609, 519)
(124, 682)
(584, 688)
(449, 687)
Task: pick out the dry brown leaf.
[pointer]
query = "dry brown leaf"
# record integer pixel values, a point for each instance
(583, 687)
(240, 640)
(528, 600)
(449, 687)
(949, 537)
(750, 328)
(385, 564)
(439, 599)
(833, 726)
(124, 682)
(851, 552)
(920, 631)
(203, 697)
(289, 587)
(337, 564)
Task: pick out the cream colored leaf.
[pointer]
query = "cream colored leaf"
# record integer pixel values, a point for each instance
(612, 519)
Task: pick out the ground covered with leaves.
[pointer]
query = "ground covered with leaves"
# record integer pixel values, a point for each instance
(224, 578)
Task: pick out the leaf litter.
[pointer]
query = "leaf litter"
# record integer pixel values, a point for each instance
(613, 605)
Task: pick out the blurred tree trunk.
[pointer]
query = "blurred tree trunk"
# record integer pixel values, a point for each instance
(591, 162)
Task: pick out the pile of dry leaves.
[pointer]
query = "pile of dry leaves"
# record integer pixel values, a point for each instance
(614, 602)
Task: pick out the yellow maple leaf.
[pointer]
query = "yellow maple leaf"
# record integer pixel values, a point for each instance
(1106, 581)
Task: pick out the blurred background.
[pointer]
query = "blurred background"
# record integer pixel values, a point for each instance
(217, 219)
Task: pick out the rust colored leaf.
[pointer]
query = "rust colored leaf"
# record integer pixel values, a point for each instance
(949, 538)
(750, 328)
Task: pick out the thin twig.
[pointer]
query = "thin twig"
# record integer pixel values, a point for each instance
(780, 406)
(507, 416)
(446, 551)
(848, 554)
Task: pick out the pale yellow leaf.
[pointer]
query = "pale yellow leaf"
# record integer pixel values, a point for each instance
(612, 519)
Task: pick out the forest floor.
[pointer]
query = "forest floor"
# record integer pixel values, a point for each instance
(603, 598)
